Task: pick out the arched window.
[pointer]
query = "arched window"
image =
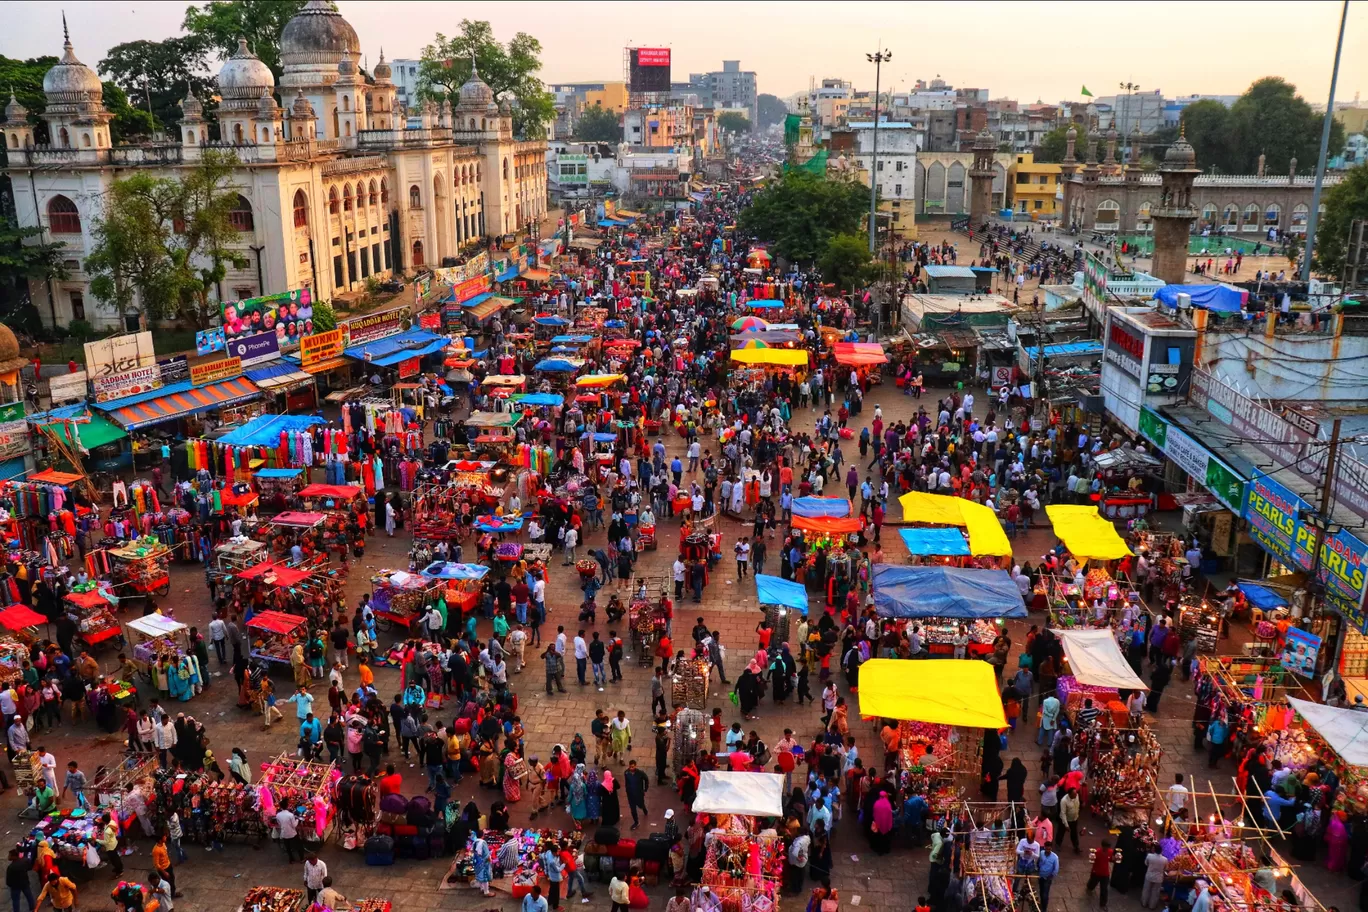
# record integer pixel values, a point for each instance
(1299, 214)
(346, 198)
(372, 196)
(472, 123)
(63, 216)
(346, 128)
(505, 177)
(415, 197)
(265, 134)
(14, 140)
(1108, 215)
(332, 200)
(1209, 214)
(237, 133)
(1251, 217)
(301, 209)
(384, 193)
(482, 123)
(1231, 216)
(1272, 215)
(240, 216)
(417, 253)
(85, 140)
(65, 138)
(346, 102)
(190, 136)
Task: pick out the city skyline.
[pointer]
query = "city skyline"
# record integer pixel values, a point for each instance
(805, 43)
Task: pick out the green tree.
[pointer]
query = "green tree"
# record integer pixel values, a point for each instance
(1344, 202)
(24, 257)
(25, 79)
(324, 317)
(770, 110)
(510, 70)
(800, 213)
(1053, 146)
(733, 122)
(165, 70)
(1272, 119)
(845, 262)
(130, 124)
(162, 244)
(220, 23)
(1206, 125)
(598, 124)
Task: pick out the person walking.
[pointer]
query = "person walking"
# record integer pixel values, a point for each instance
(1046, 874)
(555, 669)
(1100, 875)
(315, 872)
(636, 782)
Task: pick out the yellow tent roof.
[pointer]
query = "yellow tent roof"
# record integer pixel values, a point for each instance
(788, 357)
(1086, 533)
(943, 693)
(599, 379)
(986, 537)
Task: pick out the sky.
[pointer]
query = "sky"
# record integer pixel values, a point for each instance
(1029, 51)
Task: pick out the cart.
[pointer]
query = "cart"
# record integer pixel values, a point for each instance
(95, 623)
(398, 596)
(646, 618)
(154, 636)
(141, 568)
(274, 634)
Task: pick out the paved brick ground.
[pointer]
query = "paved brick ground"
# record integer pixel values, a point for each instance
(215, 882)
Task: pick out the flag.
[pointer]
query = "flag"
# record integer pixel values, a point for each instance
(1086, 92)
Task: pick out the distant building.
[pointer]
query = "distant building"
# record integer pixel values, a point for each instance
(405, 78)
(1173, 107)
(1353, 119)
(942, 182)
(1036, 187)
(1143, 109)
(729, 87)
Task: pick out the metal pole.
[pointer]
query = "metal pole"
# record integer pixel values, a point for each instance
(1314, 217)
(874, 156)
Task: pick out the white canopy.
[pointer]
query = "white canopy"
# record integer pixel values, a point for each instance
(1095, 659)
(757, 794)
(155, 625)
(1345, 730)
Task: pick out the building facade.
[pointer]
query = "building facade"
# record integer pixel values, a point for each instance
(333, 189)
(404, 73)
(729, 87)
(1035, 187)
(942, 182)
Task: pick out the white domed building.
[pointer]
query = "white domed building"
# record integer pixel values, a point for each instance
(335, 186)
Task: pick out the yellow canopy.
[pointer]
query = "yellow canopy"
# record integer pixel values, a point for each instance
(1086, 533)
(788, 357)
(599, 379)
(986, 537)
(943, 693)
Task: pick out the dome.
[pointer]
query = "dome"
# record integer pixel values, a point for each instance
(15, 113)
(475, 94)
(266, 106)
(382, 70)
(302, 109)
(984, 140)
(346, 66)
(191, 107)
(70, 78)
(1180, 155)
(244, 75)
(9, 345)
(317, 34)
(504, 107)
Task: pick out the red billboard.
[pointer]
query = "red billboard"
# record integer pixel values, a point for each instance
(650, 70)
(653, 57)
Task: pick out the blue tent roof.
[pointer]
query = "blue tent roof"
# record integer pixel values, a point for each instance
(390, 351)
(774, 590)
(557, 365)
(821, 506)
(937, 271)
(601, 437)
(950, 592)
(1065, 349)
(765, 305)
(271, 371)
(478, 299)
(449, 570)
(1262, 597)
(265, 429)
(947, 542)
(615, 324)
(554, 399)
(278, 473)
(499, 523)
(551, 321)
(1219, 298)
(577, 338)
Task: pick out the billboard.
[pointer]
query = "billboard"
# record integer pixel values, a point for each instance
(650, 70)
(14, 431)
(119, 354)
(251, 350)
(289, 315)
(319, 347)
(128, 383)
(360, 330)
(207, 372)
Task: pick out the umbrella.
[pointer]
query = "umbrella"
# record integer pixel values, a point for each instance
(746, 323)
(755, 343)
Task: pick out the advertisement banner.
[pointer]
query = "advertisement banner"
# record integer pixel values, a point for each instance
(455, 275)
(360, 330)
(255, 349)
(471, 287)
(430, 320)
(120, 354)
(174, 369)
(14, 431)
(208, 341)
(128, 383)
(409, 367)
(320, 347)
(1195, 459)
(289, 315)
(1300, 652)
(214, 371)
(68, 387)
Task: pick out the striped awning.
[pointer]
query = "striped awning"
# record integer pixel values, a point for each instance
(185, 402)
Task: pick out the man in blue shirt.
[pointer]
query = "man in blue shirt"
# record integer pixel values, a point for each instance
(534, 901)
(310, 736)
(1049, 870)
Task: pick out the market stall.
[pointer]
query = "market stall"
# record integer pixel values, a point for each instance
(272, 899)
(1250, 692)
(95, 622)
(518, 881)
(779, 597)
(1335, 735)
(23, 626)
(274, 634)
(987, 543)
(153, 638)
(995, 877)
(140, 568)
(398, 596)
(461, 583)
(742, 869)
(277, 487)
(305, 787)
(1087, 534)
(942, 599)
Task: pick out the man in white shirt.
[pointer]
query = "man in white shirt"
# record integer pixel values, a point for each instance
(571, 539)
(581, 657)
(289, 834)
(695, 450)
(1177, 794)
(315, 872)
(678, 569)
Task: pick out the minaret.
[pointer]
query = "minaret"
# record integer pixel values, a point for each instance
(18, 131)
(383, 106)
(1068, 169)
(192, 120)
(351, 113)
(268, 118)
(303, 120)
(981, 179)
(1174, 217)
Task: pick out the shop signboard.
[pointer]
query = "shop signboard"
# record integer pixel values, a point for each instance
(289, 315)
(360, 330)
(68, 387)
(174, 369)
(1194, 459)
(319, 347)
(476, 285)
(119, 354)
(455, 275)
(208, 372)
(409, 367)
(128, 383)
(430, 320)
(1300, 652)
(208, 341)
(14, 431)
(1274, 516)
(255, 349)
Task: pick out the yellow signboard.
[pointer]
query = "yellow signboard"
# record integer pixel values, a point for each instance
(320, 347)
(214, 371)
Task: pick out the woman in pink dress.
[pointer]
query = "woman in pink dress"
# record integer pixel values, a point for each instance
(1337, 838)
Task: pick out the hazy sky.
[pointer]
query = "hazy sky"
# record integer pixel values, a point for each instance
(1026, 50)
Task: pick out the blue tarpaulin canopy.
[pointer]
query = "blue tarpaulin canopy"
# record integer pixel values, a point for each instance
(607, 223)
(774, 590)
(578, 339)
(770, 304)
(1265, 598)
(391, 350)
(615, 324)
(507, 275)
(1219, 298)
(265, 429)
(277, 473)
(943, 542)
(478, 299)
(499, 523)
(551, 321)
(553, 399)
(949, 592)
(821, 506)
(601, 437)
(449, 570)
(557, 365)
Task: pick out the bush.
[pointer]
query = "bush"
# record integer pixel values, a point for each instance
(80, 329)
(324, 317)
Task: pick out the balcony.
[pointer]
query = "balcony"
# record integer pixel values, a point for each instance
(354, 165)
(145, 155)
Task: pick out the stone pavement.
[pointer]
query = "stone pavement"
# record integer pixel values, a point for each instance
(215, 882)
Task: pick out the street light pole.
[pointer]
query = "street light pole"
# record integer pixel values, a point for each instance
(877, 58)
(1314, 215)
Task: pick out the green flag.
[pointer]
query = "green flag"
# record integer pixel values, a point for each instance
(1086, 92)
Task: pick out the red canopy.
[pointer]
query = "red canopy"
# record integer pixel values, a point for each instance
(284, 576)
(229, 498)
(342, 492)
(91, 598)
(17, 617)
(859, 354)
(296, 518)
(838, 524)
(276, 621)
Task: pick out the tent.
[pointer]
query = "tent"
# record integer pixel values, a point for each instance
(859, 354)
(1345, 730)
(340, 492)
(943, 542)
(1221, 298)
(949, 592)
(774, 590)
(756, 794)
(265, 430)
(275, 574)
(1095, 659)
(939, 693)
(449, 570)
(559, 365)
(832, 525)
(821, 506)
(986, 538)
(599, 380)
(1265, 598)
(548, 399)
(785, 357)
(17, 617)
(1086, 533)
(155, 625)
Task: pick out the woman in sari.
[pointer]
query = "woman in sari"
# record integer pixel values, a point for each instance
(489, 766)
(512, 788)
(579, 797)
(178, 680)
(484, 865)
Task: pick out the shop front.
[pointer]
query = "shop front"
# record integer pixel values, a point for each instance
(179, 404)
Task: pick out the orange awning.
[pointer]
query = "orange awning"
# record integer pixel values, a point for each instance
(186, 402)
(859, 354)
(842, 525)
(52, 476)
(536, 275)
